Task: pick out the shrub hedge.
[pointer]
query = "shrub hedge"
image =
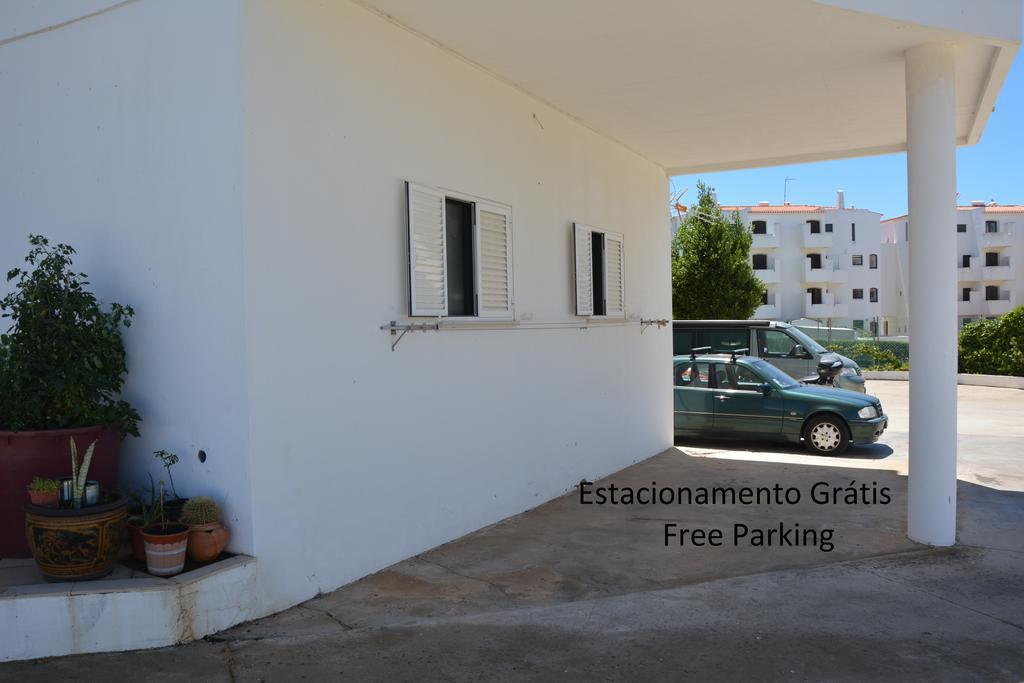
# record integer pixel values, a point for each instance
(994, 347)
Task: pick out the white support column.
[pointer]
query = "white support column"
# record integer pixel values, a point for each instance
(931, 190)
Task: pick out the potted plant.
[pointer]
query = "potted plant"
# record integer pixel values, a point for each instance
(43, 492)
(62, 366)
(141, 515)
(207, 537)
(165, 543)
(77, 542)
(173, 506)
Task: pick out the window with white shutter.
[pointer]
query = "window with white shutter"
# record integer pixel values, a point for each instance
(428, 284)
(599, 263)
(460, 255)
(493, 260)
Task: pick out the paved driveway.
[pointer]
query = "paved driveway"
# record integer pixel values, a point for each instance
(587, 592)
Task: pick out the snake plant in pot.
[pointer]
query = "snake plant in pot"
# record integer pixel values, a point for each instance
(77, 541)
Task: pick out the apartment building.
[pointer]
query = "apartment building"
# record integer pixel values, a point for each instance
(817, 262)
(989, 248)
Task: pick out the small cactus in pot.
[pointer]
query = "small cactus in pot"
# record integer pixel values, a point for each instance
(43, 492)
(207, 536)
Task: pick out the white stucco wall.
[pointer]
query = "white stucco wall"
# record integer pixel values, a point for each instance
(361, 456)
(119, 134)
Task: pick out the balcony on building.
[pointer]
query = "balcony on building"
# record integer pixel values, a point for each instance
(997, 270)
(771, 309)
(763, 235)
(968, 268)
(996, 235)
(767, 270)
(828, 308)
(828, 270)
(815, 236)
(1004, 303)
(970, 303)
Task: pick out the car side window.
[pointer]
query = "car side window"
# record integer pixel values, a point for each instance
(692, 374)
(747, 379)
(775, 344)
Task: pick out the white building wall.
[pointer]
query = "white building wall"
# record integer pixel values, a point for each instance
(123, 143)
(362, 456)
(1007, 277)
(787, 279)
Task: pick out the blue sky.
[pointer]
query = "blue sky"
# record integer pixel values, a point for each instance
(992, 169)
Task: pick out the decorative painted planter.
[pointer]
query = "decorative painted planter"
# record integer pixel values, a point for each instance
(165, 548)
(207, 541)
(76, 545)
(45, 453)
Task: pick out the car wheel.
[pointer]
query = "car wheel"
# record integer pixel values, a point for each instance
(826, 435)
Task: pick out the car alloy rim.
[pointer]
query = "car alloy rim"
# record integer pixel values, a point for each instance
(825, 436)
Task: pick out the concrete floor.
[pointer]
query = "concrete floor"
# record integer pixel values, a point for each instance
(578, 592)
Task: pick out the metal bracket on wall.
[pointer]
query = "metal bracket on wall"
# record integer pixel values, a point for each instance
(644, 324)
(401, 329)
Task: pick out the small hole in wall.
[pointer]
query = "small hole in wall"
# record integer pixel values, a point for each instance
(202, 456)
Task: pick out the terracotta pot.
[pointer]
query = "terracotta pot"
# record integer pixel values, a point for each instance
(138, 545)
(207, 541)
(75, 545)
(165, 548)
(46, 454)
(44, 499)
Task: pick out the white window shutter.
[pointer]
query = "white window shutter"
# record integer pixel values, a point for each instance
(492, 241)
(583, 259)
(614, 276)
(428, 281)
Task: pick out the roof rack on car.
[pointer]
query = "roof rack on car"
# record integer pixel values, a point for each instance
(741, 352)
(699, 349)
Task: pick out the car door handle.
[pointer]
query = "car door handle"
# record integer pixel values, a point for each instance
(723, 398)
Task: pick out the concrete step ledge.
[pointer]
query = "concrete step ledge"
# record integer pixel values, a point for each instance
(1003, 381)
(55, 619)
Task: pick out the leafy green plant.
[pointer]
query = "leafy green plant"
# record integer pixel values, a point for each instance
(62, 360)
(994, 347)
(200, 510)
(42, 485)
(168, 460)
(79, 473)
(712, 276)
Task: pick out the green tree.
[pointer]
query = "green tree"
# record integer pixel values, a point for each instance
(994, 347)
(712, 278)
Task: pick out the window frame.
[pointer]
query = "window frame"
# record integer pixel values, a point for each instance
(857, 260)
(578, 231)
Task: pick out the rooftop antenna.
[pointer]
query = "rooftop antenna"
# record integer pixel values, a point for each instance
(785, 188)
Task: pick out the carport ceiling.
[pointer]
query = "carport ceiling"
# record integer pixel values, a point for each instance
(697, 85)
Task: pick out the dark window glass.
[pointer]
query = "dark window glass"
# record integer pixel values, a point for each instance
(965, 261)
(991, 258)
(858, 324)
(760, 228)
(725, 339)
(774, 343)
(692, 374)
(991, 226)
(815, 227)
(873, 295)
(858, 294)
(991, 293)
(682, 342)
(828, 227)
(597, 254)
(966, 294)
(760, 261)
(858, 259)
(764, 297)
(873, 261)
(815, 260)
(459, 246)
(815, 293)
(961, 227)
(853, 232)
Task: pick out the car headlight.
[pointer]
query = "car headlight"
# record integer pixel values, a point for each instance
(850, 372)
(867, 412)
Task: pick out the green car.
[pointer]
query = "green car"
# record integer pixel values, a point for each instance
(742, 397)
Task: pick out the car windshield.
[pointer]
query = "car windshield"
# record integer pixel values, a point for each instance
(778, 378)
(805, 341)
